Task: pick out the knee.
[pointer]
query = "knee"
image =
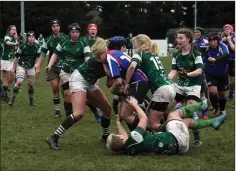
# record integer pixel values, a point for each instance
(19, 83)
(107, 111)
(78, 115)
(212, 90)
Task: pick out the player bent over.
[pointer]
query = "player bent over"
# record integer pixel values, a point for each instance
(174, 141)
(25, 58)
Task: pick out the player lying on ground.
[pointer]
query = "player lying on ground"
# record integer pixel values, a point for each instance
(174, 141)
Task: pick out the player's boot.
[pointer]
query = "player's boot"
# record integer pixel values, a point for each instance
(12, 101)
(32, 102)
(217, 122)
(104, 138)
(57, 114)
(53, 143)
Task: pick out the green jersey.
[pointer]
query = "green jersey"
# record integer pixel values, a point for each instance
(8, 51)
(189, 63)
(1, 47)
(141, 141)
(40, 40)
(51, 43)
(89, 41)
(72, 54)
(92, 70)
(27, 54)
(151, 65)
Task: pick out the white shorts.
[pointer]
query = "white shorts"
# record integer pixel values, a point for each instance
(6, 65)
(64, 77)
(187, 91)
(21, 72)
(79, 84)
(165, 93)
(180, 131)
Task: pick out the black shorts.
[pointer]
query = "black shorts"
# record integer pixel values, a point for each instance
(231, 69)
(220, 81)
(139, 90)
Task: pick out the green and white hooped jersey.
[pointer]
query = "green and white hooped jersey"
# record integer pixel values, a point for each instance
(8, 51)
(27, 54)
(189, 63)
(151, 65)
(72, 54)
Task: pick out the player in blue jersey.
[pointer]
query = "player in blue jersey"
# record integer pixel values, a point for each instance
(201, 43)
(229, 40)
(117, 63)
(216, 58)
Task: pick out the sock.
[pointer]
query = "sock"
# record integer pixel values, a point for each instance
(195, 131)
(5, 90)
(115, 105)
(190, 109)
(1, 87)
(230, 91)
(15, 92)
(31, 94)
(66, 124)
(56, 101)
(214, 101)
(200, 123)
(204, 113)
(105, 123)
(68, 108)
(134, 123)
(177, 106)
(222, 103)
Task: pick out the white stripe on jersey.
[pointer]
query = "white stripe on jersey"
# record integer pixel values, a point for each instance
(109, 59)
(58, 48)
(198, 60)
(87, 49)
(225, 46)
(19, 50)
(173, 61)
(137, 56)
(7, 38)
(45, 45)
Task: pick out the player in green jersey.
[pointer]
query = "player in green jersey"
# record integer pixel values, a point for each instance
(50, 45)
(174, 141)
(83, 88)
(72, 53)
(9, 46)
(40, 40)
(162, 87)
(90, 39)
(25, 58)
(187, 64)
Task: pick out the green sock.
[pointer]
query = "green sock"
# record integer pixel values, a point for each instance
(190, 109)
(200, 123)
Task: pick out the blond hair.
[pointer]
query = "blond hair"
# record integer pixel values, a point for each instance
(114, 143)
(154, 49)
(99, 47)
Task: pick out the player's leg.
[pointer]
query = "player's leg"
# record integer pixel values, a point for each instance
(98, 99)
(30, 73)
(193, 96)
(20, 75)
(78, 89)
(160, 101)
(64, 82)
(115, 103)
(6, 68)
(222, 86)
(213, 93)
(53, 80)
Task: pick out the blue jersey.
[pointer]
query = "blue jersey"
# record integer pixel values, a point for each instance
(118, 64)
(231, 52)
(202, 44)
(217, 68)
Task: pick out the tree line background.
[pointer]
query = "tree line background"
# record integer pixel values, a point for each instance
(117, 17)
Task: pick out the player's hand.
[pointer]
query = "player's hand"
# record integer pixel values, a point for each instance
(182, 72)
(126, 89)
(37, 70)
(228, 38)
(210, 59)
(48, 68)
(132, 101)
(118, 118)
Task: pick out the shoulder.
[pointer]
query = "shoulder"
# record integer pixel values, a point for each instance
(176, 54)
(196, 53)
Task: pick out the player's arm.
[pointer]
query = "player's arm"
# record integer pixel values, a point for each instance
(224, 52)
(231, 44)
(87, 51)
(142, 116)
(199, 66)
(16, 59)
(44, 50)
(54, 56)
(8, 42)
(173, 71)
(121, 129)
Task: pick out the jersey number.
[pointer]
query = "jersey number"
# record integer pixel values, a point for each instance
(157, 63)
(128, 58)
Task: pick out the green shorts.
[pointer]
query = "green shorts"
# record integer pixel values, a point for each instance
(53, 74)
